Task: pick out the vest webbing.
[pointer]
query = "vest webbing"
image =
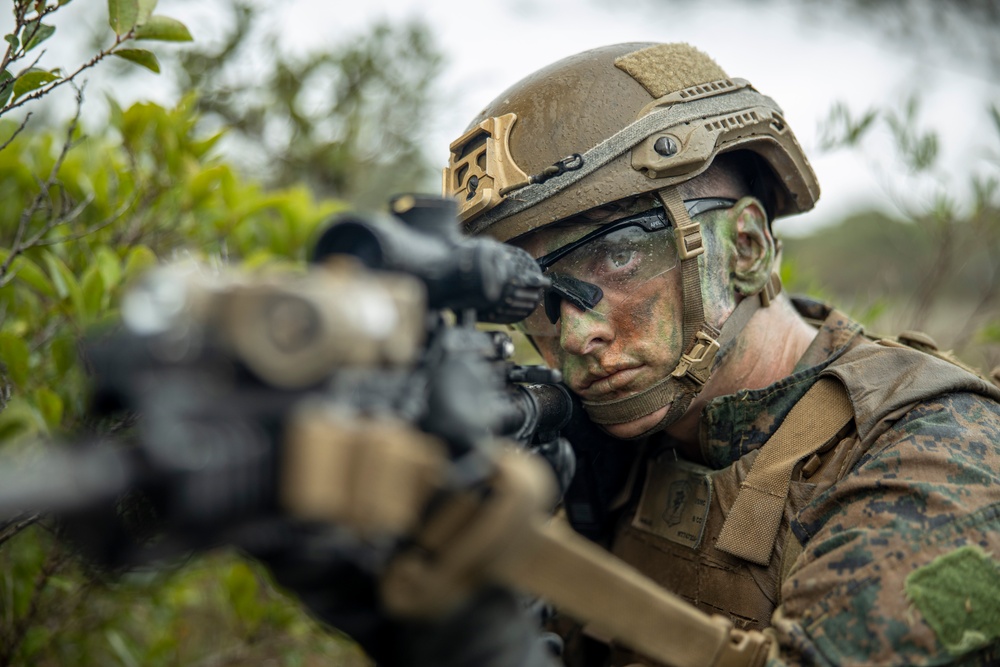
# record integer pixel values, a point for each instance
(751, 528)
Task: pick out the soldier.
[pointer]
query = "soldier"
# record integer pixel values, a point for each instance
(760, 456)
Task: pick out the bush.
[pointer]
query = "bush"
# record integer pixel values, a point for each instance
(85, 213)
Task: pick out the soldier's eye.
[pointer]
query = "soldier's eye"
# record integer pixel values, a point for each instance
(617, 262)
(621, 258)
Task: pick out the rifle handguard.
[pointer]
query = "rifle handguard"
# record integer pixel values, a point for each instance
(500, 534)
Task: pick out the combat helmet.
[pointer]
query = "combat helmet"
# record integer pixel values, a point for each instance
(616, 122)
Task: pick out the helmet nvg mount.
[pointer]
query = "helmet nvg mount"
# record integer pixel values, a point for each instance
(616, 122)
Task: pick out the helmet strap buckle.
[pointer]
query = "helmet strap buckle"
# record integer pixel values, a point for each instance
(689, 243)
(696, 364)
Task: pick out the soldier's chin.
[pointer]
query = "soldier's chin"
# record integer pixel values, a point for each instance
(636, 427)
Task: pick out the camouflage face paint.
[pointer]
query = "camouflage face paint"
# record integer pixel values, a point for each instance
(719, 234)
(623, 347)
(641, 337)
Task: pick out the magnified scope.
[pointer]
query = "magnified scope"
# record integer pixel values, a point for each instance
(501, 283)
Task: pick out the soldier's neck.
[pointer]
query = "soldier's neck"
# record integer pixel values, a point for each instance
(768, 349)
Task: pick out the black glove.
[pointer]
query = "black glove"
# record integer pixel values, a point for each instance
(331, 572)
(334, 576)
(492, 629)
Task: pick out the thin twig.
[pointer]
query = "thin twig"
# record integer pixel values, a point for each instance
(10, 55)
(93, 229)
(24, 124)
(20, 245)
(52, 565)
(45, 90)
(16, 525)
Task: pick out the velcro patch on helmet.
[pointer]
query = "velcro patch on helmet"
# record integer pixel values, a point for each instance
(666, 68)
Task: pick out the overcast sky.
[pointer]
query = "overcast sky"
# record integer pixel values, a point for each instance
(805, 67)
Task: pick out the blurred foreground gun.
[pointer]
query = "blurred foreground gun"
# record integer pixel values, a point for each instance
(360, 395)
(220, 366)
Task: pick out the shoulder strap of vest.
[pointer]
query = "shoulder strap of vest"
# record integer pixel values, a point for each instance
(752, 526)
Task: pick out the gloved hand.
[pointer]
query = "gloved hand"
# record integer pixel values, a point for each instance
(337, 581)
(492, 629)
(332, 573)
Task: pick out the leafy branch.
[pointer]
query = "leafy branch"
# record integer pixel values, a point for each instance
(23, 238)
(956, 238)
(16, 634)
(131, 20)
(12, 527)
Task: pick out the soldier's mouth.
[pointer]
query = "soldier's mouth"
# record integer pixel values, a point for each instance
(612, 385)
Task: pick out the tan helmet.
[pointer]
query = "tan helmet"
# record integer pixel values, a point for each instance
(616, 122)
(611, 123)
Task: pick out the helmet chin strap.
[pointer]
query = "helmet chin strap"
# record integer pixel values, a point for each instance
(703, 341)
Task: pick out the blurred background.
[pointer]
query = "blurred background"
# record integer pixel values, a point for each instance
(275, 115)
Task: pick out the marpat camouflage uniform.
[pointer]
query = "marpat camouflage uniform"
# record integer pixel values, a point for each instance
(885, 554)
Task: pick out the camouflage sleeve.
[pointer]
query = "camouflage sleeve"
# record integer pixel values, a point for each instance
(899, 561)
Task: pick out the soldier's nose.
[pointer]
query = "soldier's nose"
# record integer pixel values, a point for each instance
(583, 331)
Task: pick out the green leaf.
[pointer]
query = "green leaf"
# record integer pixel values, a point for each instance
(205, 182)
(59, 273)
(242, 586)
(139, 259)
(26, 271)
(50, 406)
(37, 35)
(6, 87)
(146, 8)
(110, 266)
(123, 15)
(13, 41)
(64, 353)
(140, 57)
(66, 284)
(15, 355)
(994, 111)
(989, 333)
(163, 29)
(115, 109)
(20, 418)
(121, 649)
(33, 79)
(93, 292)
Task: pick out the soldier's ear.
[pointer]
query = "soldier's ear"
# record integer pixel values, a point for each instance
(755, 252)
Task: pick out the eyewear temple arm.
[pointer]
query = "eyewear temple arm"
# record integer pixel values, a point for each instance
(652, 220)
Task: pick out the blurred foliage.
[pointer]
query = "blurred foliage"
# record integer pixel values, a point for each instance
(346, 121)
(217, 610)
(936, 265)
(958, 33)
(148, 188)
(112, 203)
(84, 213)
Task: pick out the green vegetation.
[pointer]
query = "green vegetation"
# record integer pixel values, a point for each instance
(347, 121)
(935, 266)
(86, 210)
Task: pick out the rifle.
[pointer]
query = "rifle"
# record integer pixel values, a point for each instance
(361, 395)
